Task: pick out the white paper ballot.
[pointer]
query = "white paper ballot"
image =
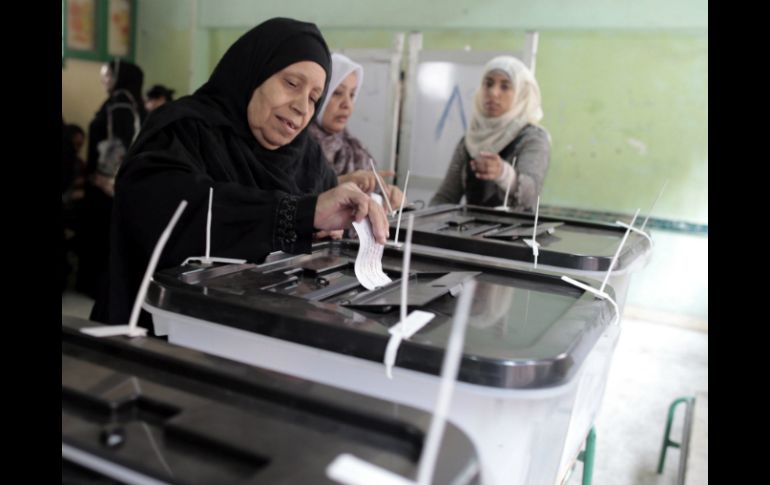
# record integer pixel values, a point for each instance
(368, 267)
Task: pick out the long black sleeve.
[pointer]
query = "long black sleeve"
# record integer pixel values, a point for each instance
(249, 218)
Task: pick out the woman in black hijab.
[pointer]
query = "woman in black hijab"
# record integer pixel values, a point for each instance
(244, 134)
(123, 82)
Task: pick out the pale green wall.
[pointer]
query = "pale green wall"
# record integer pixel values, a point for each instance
(164, 36)
(81, 93)
(627, 111)
(459, 14)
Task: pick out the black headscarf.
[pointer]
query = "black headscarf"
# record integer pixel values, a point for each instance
(223, 100)
(160, 91)
(264, 200)
(257, 55)
(128, 77)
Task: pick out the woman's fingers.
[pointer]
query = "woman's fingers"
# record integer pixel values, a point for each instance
(487, 166)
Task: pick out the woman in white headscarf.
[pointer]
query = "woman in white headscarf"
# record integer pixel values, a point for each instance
(345, 153)
(504, 129)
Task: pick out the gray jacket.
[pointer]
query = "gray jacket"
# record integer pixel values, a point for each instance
(531, 147)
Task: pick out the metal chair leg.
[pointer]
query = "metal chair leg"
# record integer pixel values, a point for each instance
(587, 457)
(667, 441)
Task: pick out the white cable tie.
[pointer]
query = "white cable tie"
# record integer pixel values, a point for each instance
(508, 189)
(535, 245)
(404, 330)
(208, 227)
(531, 243)
(215, 259)
(649, 213)
(617, 252)
(390, 354)
(114, 330)
(535, 248)
(351, 470)
(405, 261)
(598, 293)
(401, 209)
(636, 230)
(382, 187)
(132, 330)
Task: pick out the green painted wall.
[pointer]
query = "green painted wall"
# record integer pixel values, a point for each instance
(163, 43)
(627, 111)
(464, 14)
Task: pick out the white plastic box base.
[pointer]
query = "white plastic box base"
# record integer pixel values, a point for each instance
(524, 437)
(593, 382)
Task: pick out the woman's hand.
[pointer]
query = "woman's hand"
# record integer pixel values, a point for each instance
(395, 196)
(339, 207)
(334, 235)
(364, 179)
(487, 166)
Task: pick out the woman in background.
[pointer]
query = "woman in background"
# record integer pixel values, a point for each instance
(123, 113)
(344, 152)
(505, 127)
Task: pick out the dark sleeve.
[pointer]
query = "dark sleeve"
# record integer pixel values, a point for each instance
(318, 175)
(247, 223)
(329, 179)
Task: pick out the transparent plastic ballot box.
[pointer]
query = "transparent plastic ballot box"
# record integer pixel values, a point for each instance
(572, 247)
(569, 246)
(142, 410)
(532, 339)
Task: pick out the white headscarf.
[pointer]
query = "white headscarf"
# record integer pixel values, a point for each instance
(342, 66)
(493, 134)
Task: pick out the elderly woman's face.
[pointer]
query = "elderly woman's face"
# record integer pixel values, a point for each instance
(340, 105)
(497, 94)
(283, 105)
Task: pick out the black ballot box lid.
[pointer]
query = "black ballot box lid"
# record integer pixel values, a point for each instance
(143, 409)
(526, 330)
(572, 244)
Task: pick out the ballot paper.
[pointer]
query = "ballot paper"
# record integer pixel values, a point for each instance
(368, 267)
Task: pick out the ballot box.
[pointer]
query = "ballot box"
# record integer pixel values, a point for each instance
(530, 338)
(572, 247)
(568, 246)
(145, 411)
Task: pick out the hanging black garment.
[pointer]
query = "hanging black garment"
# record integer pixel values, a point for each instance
(93, 211)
